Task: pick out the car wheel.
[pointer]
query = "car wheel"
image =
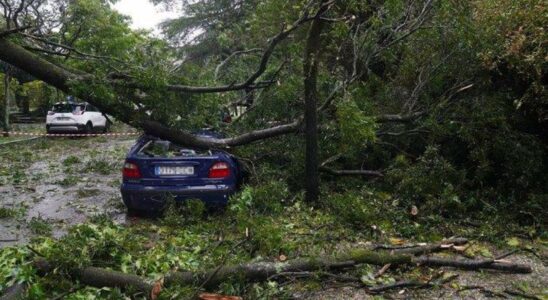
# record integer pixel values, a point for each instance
(107, 127)
(89, 128)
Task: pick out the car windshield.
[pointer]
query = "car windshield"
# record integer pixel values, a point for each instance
(66, 108)
(160, 148)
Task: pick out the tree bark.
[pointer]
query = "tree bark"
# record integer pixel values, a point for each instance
(311, 61)
(6, 116)
(351, 172)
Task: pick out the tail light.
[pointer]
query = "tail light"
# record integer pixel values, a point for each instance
(131, 171)
(219, 170)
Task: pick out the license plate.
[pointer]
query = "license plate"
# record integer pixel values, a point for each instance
(173, 170)
(63, 119)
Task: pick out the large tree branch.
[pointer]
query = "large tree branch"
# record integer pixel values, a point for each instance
(64, 80)
(7, 32)
(188, 139)
(351, 172)
(399, 118)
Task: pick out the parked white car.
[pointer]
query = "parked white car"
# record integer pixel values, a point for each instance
(75, 117)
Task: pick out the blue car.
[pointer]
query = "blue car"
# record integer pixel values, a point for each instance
(156, 170)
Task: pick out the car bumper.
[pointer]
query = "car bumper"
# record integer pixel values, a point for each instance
(153, 198)
(65, 127)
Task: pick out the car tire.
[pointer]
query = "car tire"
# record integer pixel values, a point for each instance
(107, 127)
(89, 128)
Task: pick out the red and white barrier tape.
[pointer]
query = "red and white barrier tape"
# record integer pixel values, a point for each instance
(67, 134)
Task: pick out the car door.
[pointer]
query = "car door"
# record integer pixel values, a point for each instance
(96, 117)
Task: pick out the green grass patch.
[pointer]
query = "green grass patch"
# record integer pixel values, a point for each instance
(6, 212)
(71, 160)
(40, 226)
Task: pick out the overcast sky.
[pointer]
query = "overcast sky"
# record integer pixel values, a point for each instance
(143, 13)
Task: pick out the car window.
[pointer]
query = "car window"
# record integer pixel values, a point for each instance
(62, 108)
(166, 149)
(67, 108)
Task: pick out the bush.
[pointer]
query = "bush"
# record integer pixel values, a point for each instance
(431, 183)
(261, 199)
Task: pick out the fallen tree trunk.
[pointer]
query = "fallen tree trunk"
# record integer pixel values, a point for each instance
(470, 264)
(260, 271)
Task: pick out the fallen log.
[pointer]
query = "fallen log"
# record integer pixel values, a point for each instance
(100, 277)
(260, 271)
(263, 270)
(472, 264)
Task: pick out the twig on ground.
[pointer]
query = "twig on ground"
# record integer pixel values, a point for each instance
(382, 270)
(9, 240)
(410, 284)
(35, 251)
(520, 294)
(483, 289)
(504, 255)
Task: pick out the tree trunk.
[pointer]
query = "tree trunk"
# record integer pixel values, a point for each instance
(6, 116)
(311, 61)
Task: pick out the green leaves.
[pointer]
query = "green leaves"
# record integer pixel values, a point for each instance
(355, 127)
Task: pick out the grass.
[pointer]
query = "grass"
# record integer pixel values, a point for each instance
(99, 166)
(39, 226)
(68, 181)
(84, 193)
(6, 212)
(71, 160)
(5, 140)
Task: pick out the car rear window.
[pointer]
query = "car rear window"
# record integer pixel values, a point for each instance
(166, 149)
(67, 108)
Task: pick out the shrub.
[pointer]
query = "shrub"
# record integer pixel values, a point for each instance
(267, 199)
(431, 183)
